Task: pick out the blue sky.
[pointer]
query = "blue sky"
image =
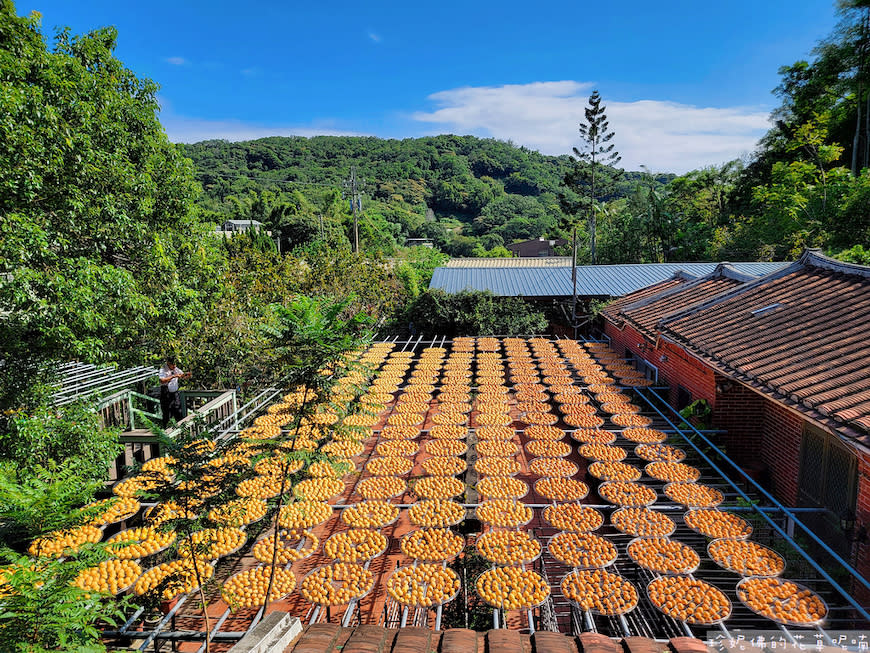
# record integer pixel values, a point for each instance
(686, 83)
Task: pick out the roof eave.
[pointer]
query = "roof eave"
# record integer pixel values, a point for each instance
(815, 258)
(728, 294)
(848, 431)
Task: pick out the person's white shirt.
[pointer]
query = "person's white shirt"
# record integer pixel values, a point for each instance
(165, 372)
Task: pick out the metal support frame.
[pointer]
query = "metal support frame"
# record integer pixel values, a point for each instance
(107, 382)
(785, 511)
(768, 513)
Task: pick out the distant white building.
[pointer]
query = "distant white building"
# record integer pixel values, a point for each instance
(239, 226)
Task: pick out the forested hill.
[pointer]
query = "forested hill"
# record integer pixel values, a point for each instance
(468, 194)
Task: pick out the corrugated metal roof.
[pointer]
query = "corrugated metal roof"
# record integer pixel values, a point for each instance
(800, 336)
(508, 282)
(618, 280)
(592, 280)
(513, 262)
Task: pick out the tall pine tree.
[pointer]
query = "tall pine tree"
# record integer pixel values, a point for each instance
(592, 177)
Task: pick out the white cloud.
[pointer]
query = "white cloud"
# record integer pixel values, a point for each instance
(375, 37)
(664, 136)
(181, 129)
(176, 61)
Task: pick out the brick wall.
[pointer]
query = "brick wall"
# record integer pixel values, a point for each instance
(772, 434)
(678, 368)
(758, 429)
(737, 410)
(681, 368)
(763, 436)
(781, 448)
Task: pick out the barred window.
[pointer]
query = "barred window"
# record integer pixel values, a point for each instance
(828, 472)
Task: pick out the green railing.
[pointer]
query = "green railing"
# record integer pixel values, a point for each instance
(128, 408)
(221, 405)
(141, 412)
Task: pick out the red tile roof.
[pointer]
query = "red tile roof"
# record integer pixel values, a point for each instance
(612, 312)
(332, 638)
(644, 313)
(800, 335)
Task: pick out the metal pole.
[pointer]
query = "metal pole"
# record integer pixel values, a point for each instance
(574, 283)
(130, 621)
(216, 628)
(348, 613)
(626, 631)
(787, 634)
(353, 204)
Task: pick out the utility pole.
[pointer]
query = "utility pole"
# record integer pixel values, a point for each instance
(353, 204)
(354, 185)
(593, 223)
(574, 283)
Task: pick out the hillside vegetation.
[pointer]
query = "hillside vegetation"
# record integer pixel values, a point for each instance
(471, 196)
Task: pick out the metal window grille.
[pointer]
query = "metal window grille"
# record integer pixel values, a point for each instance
(840, 477)
(828, 472)
(812, 470)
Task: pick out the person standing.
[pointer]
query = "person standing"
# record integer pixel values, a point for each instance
(170, 399)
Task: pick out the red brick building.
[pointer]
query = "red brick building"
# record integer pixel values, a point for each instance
(784, 362)
(537, 247)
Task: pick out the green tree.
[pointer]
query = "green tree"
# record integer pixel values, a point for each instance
(414, 183)
(52, 460)
(43, 612)
(366, 280)
(857, 254)
(435, 312)
(593, 175)
(850, 226)
(623, 231)
(312, 338)
(802, 198)
(92, 196)
(498, 251)
(461, 246)
(205, 473)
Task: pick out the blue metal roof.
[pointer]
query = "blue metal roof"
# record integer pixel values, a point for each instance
(510, 282)
(592, 280)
